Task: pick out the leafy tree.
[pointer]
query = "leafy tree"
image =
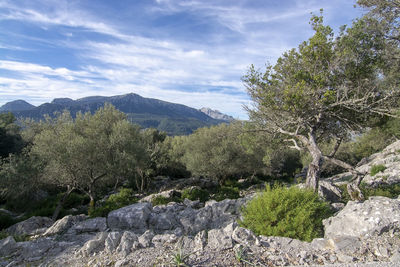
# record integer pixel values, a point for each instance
(10, 138)
(322, 90)
(89, 153)
(217, 152)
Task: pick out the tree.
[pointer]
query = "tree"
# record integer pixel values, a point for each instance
(10, 138)
(89, 152)
(323, 90)
(217, 152)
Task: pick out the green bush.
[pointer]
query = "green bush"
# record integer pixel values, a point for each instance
(290, 212)
(195, 194)
(376, 169)
(225, 192)
(161, 200)
(121, 199)
(6, 221)
(390, 191)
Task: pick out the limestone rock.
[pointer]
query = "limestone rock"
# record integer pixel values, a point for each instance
(329, 191)
(244, 236)
(146, 238)
(112, 241)
(7, 246)
(92, 245)
(200, 240)
(160, 240)
(98, 224)
(221, 239)
(133, 217)
(62, 225)
(129, 241)
(372, 217)
(32, 226)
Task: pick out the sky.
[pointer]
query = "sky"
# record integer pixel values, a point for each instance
(192, 52)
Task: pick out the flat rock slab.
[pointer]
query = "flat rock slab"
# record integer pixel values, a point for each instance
(133, 217)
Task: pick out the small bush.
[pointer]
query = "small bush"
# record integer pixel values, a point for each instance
(376, 169)
(195, 194)
(289, 212)
(121, 199)
(161, 200)
(226, 192)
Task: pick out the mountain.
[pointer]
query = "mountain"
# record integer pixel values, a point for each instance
(175, 119)
(215, 114)
(16, 105)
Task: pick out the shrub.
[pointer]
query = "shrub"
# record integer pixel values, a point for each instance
(195, 194)
(161, 200)
(376, 169)
(6, 221)
(227, 192)
(290, 212)
(390, 191)
(121, 199)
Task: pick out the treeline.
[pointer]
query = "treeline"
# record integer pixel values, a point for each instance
(95, 154)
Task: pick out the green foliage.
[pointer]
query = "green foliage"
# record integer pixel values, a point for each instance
(216, 152)
(227, 192)
(124, 197)
(195, 194)
(376, 169)
(390, 191)
(289, 212)
(5, 221)
(161, 200)
(10, 138)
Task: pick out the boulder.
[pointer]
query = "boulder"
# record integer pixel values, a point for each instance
(221, 239)
(62, 225)
(372, 217)
(112, 241)
(146, 238)
(160, 240)
(129, 242)
(94, 244)
(133, 217)
(8, 246)
(98, 224)
(244, 236)
(329, 191)
(32, 226)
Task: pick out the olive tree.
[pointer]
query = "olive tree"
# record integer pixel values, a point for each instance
(89, 152)
(322, 90)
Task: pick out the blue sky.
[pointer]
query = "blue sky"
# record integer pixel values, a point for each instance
(192, 52)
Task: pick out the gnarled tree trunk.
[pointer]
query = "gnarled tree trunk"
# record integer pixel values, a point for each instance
(314, 169)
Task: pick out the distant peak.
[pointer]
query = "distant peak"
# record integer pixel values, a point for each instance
(216, 114)
(17, 105)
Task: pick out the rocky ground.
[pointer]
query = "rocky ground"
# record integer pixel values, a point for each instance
(207, 234)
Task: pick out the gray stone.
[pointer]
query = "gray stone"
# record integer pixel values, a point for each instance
(146, 238)
(8, 246)
(37, 249)
(372, 217)
(127, 243)
(98, 224)
(32, 226)
(62, 225)
(112, 241)
(195, 204)
(92, 245)
(200, 240)
(221, 239)
(244, 236)
(133, 217)
(329, 191)
(160, 240)
(163, 221)
(395, 257)
(349, 245)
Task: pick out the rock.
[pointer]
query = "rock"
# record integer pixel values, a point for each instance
(395, 257)
(37, 249)
(329, 191)
(112, 241)
(163, 221)
(62, 225)
(167, 194)
(196, 204)
(200, 240)
(221, 239)
(98, 224)
(129, 241)
(133, 217)
(348, 245)
(92, 245)
(337, 206)
(146, 238)
(7, 246)
(244, 236)
(372, 217)
(160, 240)
(32, 226)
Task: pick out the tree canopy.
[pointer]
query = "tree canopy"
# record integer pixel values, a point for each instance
(324, 89)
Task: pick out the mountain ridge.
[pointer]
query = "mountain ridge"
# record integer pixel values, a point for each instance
(175, 119)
